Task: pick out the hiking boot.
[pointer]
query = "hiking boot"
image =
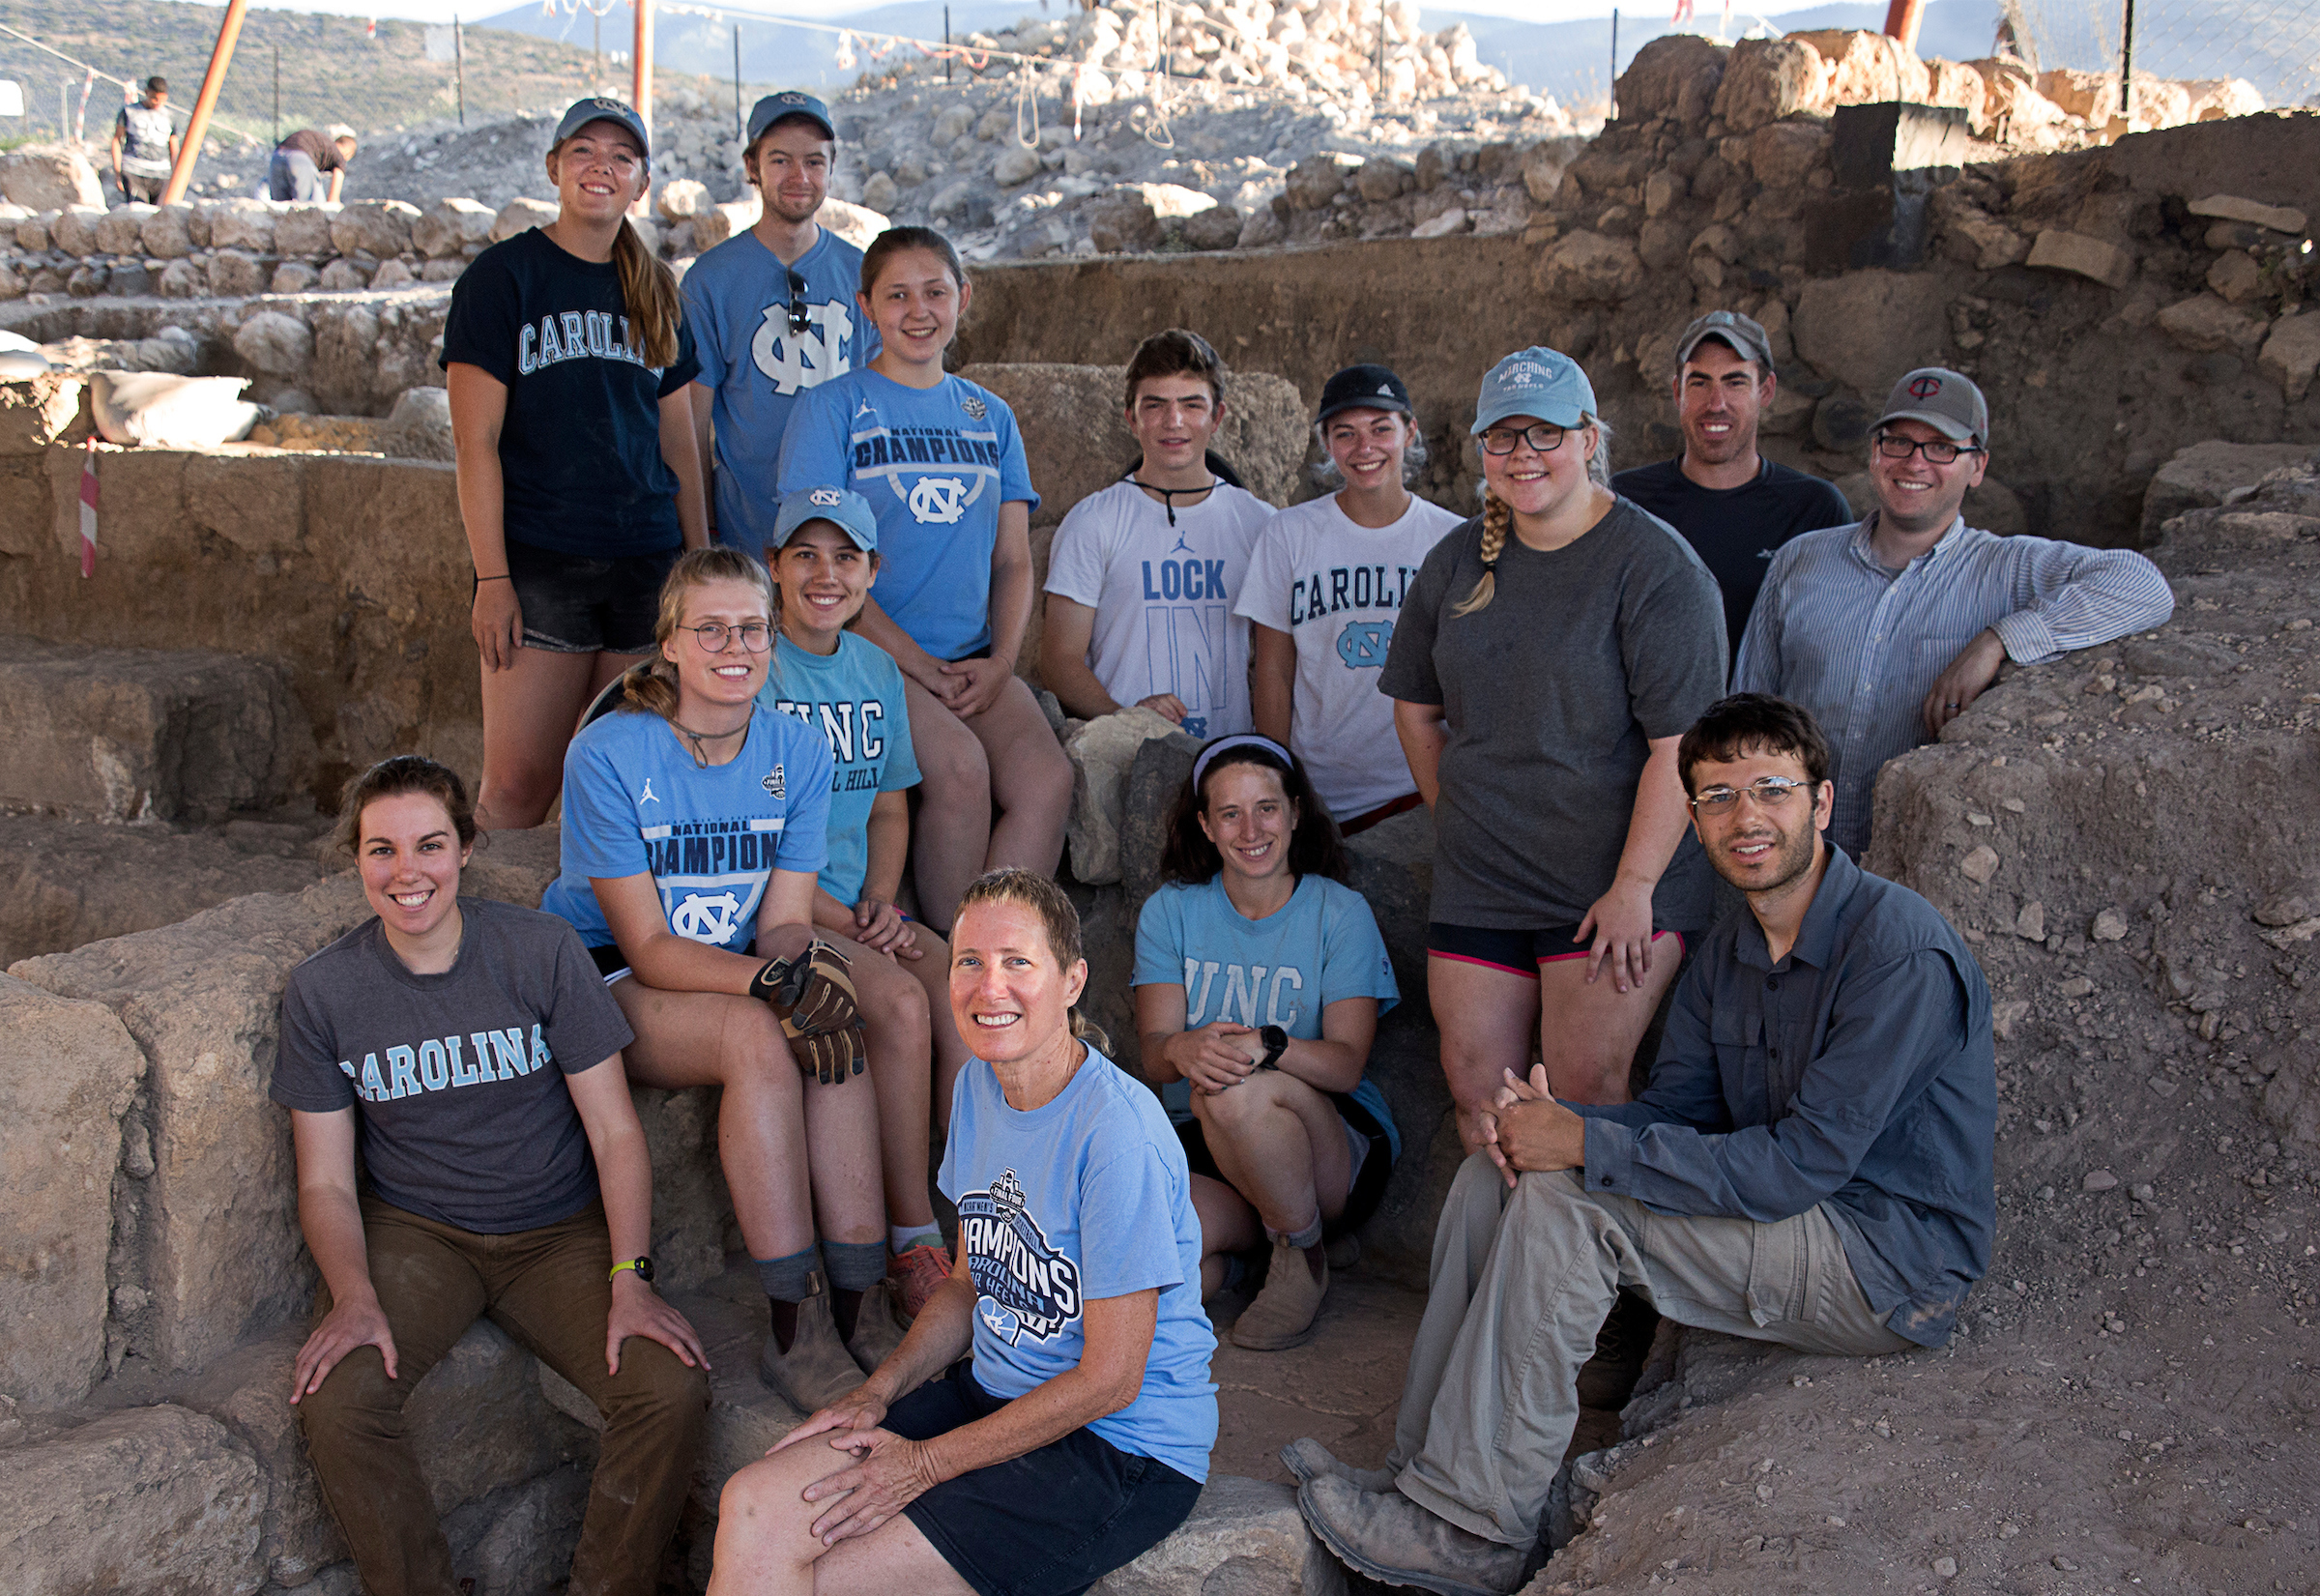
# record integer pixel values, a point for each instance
(915, 1276)
(1286, 1312)
(817, 1370)
(1621, 1347)
(1309, 1459)
(876, 1335)
(1386, 1536)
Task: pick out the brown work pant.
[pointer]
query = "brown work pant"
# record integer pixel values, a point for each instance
(549, 1290)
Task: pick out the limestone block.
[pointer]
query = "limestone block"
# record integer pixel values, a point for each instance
(120, 232)
(13, 283)
(2236, 276)
(342, 277)
(68, 1072)
(1655, 80)
(1785, 152)
(1544, 164)
(2097, 259)
(236, 275)
(520, 216)
(131, 276)
(88, 281)
(36, 414)
(122, 734)
(679, 198)
(377, 227)
(277, 343)
(2203, 324)
(394, 273)
(1864, 329)
(48, 177)
(1215, 228)
(2199, 478)
(1447, 223)
(2292, 354)
(1102, 751)
(1867, 69)
(1955, 83)
(152, 1500)
(1014, 165)
(1766, 79)
(857, 224)
(74, 230)
(32, 233)
(449, 225)
(420, 426)
(1316, 180)
(2280, 219)
(292, 276)
(719, 222)
(1243, 1535)
(1584, 268)
(1980, 240)
(880, 191)
(305, 229)
(241, 225)
(182, 279)
(1123, 225)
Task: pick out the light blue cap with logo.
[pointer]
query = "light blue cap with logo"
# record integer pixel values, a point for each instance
(842, 507)
(1541, 382)
(603, 109)
(789, 103)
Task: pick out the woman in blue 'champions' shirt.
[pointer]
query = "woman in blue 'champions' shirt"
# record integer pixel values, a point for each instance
(943, 465)
(1078, 1437)
(692, 834)
(1259, 984)
(823, 550)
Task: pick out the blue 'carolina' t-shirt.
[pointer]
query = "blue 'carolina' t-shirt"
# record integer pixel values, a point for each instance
(635, 803)
(855, 696)
(1085, 1197)
(737, 300)
(1282, 971)
(936, 463)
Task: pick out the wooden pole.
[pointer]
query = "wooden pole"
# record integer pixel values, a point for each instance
(643, 96)
(197, 126)
(1903, 20)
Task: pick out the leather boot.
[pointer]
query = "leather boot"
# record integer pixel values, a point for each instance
(1390, 1538)
(1309, 1459)
(1287, 1310)
(876, 1334)
(817, 1370)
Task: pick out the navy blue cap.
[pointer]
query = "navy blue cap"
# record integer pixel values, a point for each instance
(603, 109)
(789, 103)
(1364, 388)
(847, 510)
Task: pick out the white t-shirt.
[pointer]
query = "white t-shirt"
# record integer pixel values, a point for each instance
(1335, 587)
(1163, 597)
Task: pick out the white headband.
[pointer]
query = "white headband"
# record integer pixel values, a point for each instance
(1239, 740)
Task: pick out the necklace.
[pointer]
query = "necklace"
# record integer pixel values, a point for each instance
(1167, 495)
(701, 758)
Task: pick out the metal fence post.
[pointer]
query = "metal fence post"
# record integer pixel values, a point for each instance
(278, 94)
(459, 68)
(1612, 96)
(945, 44)
(2127, 63)
(737, 81)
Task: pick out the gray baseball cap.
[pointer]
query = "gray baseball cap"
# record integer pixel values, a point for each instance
(1745, 336)
(789, 103)
(603, 109)
(847, 510)
(1945, 400)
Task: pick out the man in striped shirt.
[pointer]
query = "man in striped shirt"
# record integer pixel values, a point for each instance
(1889, 628)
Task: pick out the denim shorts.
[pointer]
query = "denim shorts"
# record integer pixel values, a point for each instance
(576, 604)
(1050, 1523)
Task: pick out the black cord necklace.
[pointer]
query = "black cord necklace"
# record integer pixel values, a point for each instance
(700, 758)
(1167, 495)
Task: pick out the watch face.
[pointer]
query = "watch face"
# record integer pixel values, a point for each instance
(644, 1270)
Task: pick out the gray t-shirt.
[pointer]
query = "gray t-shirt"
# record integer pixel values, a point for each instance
(462, 1120)
(1553, 692)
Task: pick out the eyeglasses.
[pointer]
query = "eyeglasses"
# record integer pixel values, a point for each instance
(714, 635)
(1938, 451)
(1771, 792)
(801, 314)
(1541, 437)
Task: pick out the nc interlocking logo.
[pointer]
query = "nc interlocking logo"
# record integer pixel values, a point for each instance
(938, 500)
(1363, 643)
(1023, 1285)
(702, 918)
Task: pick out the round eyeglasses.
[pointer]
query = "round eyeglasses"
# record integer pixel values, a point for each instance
(714, 635)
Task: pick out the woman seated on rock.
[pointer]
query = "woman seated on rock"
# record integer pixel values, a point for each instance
(1260, 977)
(470, 1051)
(693, 824)
(1078, 1435)
(825, 560)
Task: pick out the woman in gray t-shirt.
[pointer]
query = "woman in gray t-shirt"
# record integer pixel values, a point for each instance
(1549, 656)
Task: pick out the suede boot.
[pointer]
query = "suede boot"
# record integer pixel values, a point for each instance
(876, 1334)
(816, 1369)
(1287, 1310)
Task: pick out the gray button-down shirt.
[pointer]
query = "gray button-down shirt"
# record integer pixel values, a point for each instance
(1861, 645)
(1857, 1072)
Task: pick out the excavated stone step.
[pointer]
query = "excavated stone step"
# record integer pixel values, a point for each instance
(140, 734)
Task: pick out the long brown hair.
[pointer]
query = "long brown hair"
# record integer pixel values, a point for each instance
(396, 777)
(1187, 854)
(1061, 922)
(648, 288)
(653, 684)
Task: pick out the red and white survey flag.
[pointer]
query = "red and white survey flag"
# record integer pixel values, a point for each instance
(88, 510)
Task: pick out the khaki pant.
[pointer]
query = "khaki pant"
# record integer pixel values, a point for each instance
(547, 1290)
(1520, 1283)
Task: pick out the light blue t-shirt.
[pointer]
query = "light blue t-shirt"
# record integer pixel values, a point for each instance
(737, 300)
(936, 463)
(635, 803)
(1282, 971)
(855, 696)
(1085, 1197)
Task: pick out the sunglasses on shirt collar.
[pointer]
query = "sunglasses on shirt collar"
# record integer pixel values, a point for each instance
(801, 314)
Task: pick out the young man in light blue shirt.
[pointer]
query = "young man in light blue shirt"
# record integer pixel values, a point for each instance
(772, 314)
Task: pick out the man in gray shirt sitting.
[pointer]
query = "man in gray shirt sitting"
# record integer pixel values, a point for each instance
(1810, 1165)
(1888, 629)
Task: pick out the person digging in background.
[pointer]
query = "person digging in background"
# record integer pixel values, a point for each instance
(295, 172)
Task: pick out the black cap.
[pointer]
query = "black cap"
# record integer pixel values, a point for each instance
(1364, 388)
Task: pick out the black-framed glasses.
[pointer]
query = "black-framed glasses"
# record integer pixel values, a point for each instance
(1938, 450)
(1771, 792)
(756, 636)
(1542, 436)
(801, 314)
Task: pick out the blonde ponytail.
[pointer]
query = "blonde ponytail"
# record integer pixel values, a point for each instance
(651, 686)
(1086, 1030)
(1497, 520)
(649, 289)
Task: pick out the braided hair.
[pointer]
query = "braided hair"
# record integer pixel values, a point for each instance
(1498, 518)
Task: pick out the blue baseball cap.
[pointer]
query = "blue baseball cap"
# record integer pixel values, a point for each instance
(603, 109)
(847, 510)
(789, 103)
(1537, 381)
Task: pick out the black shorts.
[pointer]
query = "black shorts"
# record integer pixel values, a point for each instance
(612, 963)
(1362, 1197)
(1050, 1523)
(1517, 952)
(575, 604)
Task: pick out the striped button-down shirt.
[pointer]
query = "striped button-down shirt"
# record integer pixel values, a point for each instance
(1861, 645)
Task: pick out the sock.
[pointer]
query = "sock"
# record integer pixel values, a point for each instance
(854, 1265)
(901, 1238)
(786, 1281)
(1309, 1237)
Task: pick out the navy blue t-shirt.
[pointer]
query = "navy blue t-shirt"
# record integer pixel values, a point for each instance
(580, 449)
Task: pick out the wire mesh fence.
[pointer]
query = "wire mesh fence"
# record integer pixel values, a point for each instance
(2274, 46)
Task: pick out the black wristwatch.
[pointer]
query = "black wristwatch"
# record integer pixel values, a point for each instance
(1276, 1043)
